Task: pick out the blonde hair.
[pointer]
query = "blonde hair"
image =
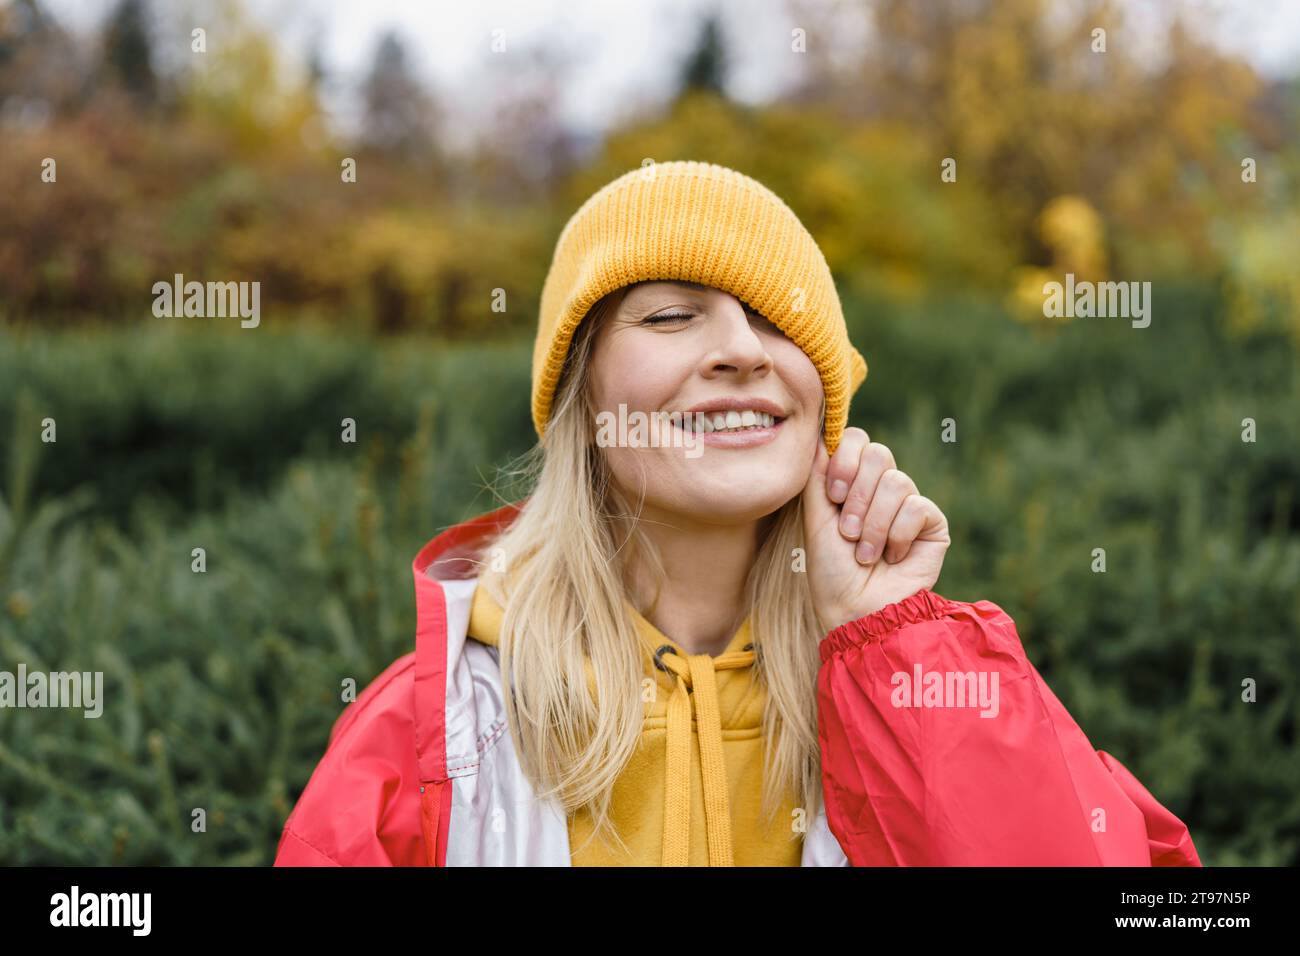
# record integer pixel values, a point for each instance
(567, 555)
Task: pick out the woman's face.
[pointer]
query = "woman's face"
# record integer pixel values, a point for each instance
(679, 347)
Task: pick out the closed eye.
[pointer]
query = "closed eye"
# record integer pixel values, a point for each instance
(666, 317)
(677, 316)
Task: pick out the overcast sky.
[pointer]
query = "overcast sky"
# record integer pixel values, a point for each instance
(620, 54)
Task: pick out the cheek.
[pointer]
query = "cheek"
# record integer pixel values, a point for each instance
(804, 385)
(637, 372)
(801, 379)
(631, 372)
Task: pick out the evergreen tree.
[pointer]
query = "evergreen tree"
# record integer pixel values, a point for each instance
(127, 50)
(706, 66)
(399, 112)
(40, 71)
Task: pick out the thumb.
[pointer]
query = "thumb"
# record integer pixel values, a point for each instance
(817, 505)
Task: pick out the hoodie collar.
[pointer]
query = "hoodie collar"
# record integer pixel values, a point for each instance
(694, 701)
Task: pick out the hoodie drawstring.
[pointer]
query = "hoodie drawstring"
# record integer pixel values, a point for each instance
(696, 681)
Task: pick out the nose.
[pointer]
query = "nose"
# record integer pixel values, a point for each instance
(734, 347)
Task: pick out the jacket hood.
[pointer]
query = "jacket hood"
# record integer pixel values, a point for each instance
(453, 555)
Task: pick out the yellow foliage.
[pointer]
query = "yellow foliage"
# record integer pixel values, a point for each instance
(407, 250)
(1025, 301)
(1262, 278)
(243, 86)
(1074, 231)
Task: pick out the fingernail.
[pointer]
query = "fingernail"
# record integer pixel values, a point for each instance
(851, 525)
(867, 554)
(839, 489)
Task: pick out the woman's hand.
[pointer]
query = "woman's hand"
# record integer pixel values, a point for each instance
(857, 510)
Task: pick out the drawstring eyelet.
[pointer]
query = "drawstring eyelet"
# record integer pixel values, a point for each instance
(660, 664)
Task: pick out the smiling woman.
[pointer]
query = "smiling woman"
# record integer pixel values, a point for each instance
(663, 659)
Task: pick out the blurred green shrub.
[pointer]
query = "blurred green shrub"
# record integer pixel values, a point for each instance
(222, 686)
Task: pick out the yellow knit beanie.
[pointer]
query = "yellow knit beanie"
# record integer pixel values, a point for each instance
(697, 222)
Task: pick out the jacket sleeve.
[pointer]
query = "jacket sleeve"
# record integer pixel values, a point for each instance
(943, 746)
(361, 806)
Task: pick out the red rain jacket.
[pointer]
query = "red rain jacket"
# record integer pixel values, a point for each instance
(913, 774)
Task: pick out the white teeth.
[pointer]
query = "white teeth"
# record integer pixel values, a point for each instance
(706, 422)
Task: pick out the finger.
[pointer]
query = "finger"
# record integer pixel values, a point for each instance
(891, 492)
(915, 514)
(844, 466)
(817, 508)
(876, 460)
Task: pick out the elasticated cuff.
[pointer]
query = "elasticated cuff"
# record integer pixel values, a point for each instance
(924, 605)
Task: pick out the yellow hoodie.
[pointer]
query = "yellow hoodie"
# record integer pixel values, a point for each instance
(691, 794)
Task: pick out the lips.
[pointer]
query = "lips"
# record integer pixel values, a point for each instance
(739, 404)
(746, 428)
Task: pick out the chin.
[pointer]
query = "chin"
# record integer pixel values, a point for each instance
(721, 500)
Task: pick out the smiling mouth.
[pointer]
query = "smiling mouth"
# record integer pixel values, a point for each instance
(728, 422)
